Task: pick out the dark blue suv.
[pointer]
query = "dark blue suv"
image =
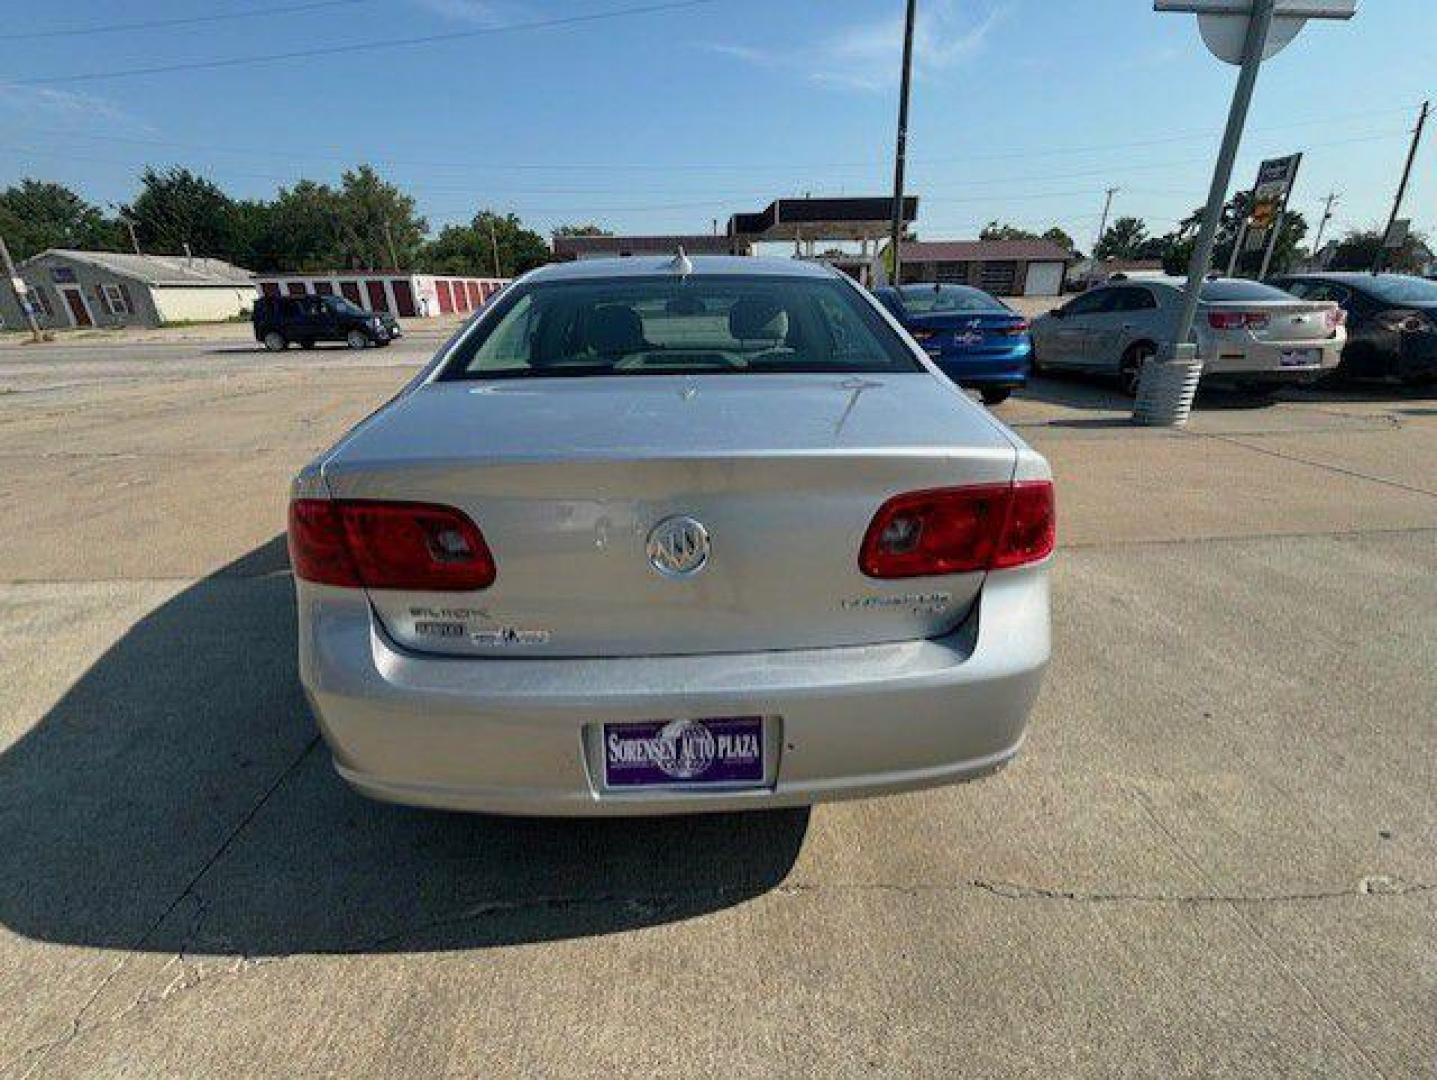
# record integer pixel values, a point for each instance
(975, 339)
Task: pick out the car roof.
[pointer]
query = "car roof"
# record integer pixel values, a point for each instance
(703, 265)
(1355, 278)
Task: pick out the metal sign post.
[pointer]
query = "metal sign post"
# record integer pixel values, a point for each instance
(1275, 181)
(1237, 31)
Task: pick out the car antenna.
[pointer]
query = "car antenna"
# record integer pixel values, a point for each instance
(681, 263)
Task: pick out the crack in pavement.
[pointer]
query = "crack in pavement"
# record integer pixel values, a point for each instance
(42, 1051)
(1324, 466)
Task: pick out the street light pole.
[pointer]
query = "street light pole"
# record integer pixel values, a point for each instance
(895, 232)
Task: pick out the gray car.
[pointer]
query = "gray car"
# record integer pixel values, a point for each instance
(1247, 332)
(657, 535)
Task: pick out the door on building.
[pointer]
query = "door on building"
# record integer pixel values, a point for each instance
(75, 301)
(403, 297)
(377, 299)
(1044, 279)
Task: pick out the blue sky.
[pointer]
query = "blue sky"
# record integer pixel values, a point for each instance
(1023, 110)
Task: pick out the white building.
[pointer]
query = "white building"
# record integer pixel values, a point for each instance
(398, 293)
(105, 288)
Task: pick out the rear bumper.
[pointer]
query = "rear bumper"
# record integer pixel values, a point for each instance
(519, 736)
(1010, 369)
(1283, 362)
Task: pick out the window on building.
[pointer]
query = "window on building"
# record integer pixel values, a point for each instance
(116, 302)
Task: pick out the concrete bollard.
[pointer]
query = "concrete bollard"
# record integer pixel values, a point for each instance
(1166, 388)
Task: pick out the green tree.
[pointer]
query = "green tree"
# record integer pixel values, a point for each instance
(1358, 249)
(37, 214)
(1178, 247)
(1057, 236)
(589, 229)
(469, 249)
(1126, 238)
(299, 230)
(1001, 230)
(176, 207)
(377, 222)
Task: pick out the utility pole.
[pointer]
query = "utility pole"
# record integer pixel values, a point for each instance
(895, 232)
(1327, 205)
(18, 289)
(1102, 229)
(129, 225)
(389, 239)
(494, 242)
(1401, 187)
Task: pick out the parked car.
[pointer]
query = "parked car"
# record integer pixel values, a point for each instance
(1248, 333)
(1391, 322)
(659, 535)
(975, 339)
(279, 320)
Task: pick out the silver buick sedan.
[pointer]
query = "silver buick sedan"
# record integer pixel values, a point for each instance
(655, 535)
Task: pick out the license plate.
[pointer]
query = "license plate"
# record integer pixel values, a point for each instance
(684, 753)
(1301, 357)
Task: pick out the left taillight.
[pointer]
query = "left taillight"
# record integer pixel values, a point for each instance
(378, 544)
(961, 530)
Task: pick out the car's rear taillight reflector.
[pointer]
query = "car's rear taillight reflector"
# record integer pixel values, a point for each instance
(1334, 317)
(387, 545)
(960, 530)
(1234, 320)
(1016, 329)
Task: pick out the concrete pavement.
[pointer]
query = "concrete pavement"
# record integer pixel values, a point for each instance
(1214, 857)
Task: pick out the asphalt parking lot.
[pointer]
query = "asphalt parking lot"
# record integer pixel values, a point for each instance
(1216, 856)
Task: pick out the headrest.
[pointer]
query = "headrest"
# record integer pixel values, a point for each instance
(615, 329)
(754, 319)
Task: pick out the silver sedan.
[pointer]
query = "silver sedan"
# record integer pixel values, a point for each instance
(1246, 332)
(656, 535)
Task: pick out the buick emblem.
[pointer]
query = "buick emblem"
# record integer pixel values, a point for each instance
(678, 547)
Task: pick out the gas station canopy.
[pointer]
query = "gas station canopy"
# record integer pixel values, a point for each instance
(822, 220)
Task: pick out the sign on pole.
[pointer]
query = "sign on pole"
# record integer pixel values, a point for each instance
(1223, 23)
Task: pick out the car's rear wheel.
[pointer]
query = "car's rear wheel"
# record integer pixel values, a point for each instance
(357, 339)
(995, 395)
(1130, 368)
(274, 341)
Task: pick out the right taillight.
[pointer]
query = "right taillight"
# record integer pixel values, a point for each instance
(378, 544)
(960, 530)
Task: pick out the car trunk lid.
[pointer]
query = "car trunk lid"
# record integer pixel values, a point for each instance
(569, 478)
(969, 332)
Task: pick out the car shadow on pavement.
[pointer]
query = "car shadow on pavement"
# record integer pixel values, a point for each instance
(177, 799)
(1081, 390)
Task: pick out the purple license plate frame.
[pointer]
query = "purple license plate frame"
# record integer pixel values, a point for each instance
(721, 750)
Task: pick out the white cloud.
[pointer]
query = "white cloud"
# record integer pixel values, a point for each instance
(865, 56)
(55, 109)
(478, 12)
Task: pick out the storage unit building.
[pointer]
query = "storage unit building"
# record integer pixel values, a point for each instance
(1000, 267)
(405, 295)
(75, 289)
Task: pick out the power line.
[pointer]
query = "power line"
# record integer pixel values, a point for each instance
(340, 154)
(191, 20)
(368, 46)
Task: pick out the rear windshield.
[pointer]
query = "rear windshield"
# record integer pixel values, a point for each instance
(940, 299)
(1240, 289)
(1400, 289)
(672, 325)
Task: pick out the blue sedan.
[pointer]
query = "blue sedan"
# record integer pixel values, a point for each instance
(975, 339)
